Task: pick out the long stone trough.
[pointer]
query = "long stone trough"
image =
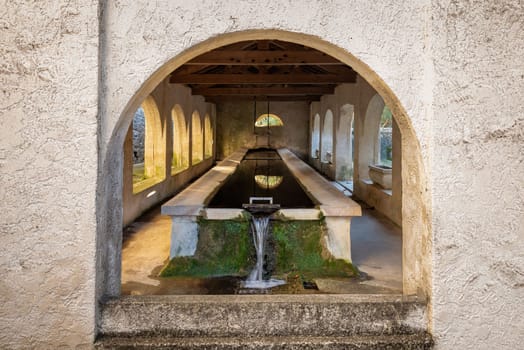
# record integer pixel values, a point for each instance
(190, 204)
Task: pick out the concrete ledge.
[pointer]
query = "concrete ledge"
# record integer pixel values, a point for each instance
(192, 200)
(331, 201)
(418, 341)
(223, 213)
(299, 214)
(271, 315)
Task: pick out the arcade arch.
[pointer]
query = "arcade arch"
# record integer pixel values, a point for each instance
(326, 139)
(180, 159)
(197, 139)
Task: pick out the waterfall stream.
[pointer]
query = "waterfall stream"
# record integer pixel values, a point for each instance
(260, 231)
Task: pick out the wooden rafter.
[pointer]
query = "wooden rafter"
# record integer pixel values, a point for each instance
(229, 79)
(260, 98)
(264, 57)
(270, 91)
(265, 69)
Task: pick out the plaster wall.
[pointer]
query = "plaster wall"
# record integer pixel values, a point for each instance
(235, 127)
(455, 68)
(477, 182)
(48, 170)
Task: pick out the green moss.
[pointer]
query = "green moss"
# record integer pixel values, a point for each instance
(224, 249)
(299, 250)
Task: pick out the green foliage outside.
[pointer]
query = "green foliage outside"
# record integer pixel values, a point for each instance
(386, 119)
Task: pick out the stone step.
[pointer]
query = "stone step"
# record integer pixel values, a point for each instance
(390, 342)
(263, 316)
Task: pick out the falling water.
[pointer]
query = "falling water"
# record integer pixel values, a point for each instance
(260, 230)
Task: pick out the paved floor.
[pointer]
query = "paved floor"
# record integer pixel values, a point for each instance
(376, 250)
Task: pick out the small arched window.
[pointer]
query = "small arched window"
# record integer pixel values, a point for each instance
(270, 120)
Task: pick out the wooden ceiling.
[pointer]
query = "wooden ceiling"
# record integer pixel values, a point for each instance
(263, 69)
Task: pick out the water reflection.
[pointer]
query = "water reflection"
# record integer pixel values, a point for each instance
(268, 181)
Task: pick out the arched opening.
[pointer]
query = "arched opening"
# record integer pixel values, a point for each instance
(416, 213)
(344, 161)
(197, 139)
(208, 137)
(180, 159)
(385, 138)
(147, 142)
(369, 139)
(326, 140)
(315, 137)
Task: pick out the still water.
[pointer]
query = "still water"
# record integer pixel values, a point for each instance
(261, 174)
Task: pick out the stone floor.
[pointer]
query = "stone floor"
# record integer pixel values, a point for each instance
(376, 250)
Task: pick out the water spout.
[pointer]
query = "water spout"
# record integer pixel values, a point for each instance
(260, 230)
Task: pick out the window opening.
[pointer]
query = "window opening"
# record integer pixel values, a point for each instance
(268, 120)
(385, 138)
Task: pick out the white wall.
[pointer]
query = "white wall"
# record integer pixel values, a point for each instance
(477, 165)
(452, 71)
(48, 173)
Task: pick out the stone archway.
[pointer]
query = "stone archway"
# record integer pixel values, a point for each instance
(415, 212)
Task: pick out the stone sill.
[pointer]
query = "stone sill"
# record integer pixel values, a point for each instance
(368, 182)
(275, 298)
(176, 171)
(145, 184)
(281, 214)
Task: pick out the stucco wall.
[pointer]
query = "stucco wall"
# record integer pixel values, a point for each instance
(48, 169)
(454, 66)
(477, 174)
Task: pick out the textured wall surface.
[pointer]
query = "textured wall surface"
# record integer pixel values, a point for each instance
(48, 166)
(455, 66)
(478, 181)
(235, 127)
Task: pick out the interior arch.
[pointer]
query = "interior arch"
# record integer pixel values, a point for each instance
(180, 159)
(326, 139)
(197, 139)
(315, 137)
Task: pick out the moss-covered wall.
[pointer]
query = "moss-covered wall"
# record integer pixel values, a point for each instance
(225, 248)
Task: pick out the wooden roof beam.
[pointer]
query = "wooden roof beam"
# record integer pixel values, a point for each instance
(293, 78)
(262, 98)
(269, 91)
(264, 57)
